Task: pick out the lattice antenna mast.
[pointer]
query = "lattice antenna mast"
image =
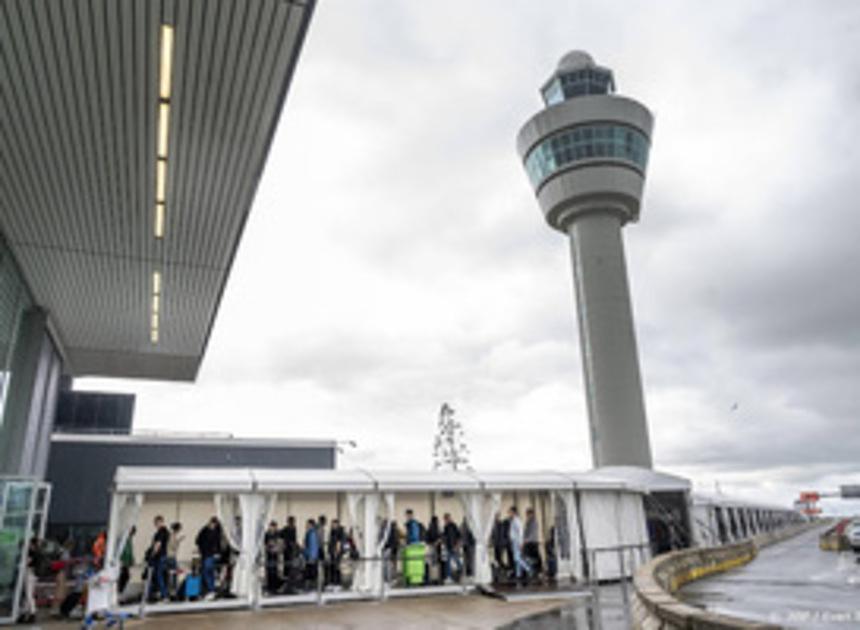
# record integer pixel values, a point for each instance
(449, 446)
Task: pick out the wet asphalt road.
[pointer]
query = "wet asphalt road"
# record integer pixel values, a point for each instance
(792, 583)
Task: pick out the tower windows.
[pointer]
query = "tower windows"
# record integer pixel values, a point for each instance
(601, 141)
(578, 83)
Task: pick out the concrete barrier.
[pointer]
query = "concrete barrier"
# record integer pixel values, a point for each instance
(834, 538)
(655, 606)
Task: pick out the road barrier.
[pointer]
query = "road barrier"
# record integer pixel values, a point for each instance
(834, 538)
(655, 606)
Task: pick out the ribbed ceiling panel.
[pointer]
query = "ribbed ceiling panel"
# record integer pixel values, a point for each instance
(79, 99)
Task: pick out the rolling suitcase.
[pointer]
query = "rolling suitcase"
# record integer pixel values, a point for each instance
(192, 587)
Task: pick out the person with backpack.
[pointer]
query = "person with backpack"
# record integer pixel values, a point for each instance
(414, 529)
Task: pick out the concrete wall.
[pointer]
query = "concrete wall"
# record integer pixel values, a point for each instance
(654, 604)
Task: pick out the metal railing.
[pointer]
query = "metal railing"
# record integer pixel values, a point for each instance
(626, 557)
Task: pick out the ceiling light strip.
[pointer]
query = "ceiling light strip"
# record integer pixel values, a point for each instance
(165, 70)
(161, 140)
(155, 309)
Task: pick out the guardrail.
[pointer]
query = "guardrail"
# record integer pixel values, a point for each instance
(654, 604)
(367, 578)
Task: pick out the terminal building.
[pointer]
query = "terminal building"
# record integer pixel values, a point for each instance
(134, 136)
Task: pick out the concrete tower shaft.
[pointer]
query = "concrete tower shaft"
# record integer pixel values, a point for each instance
(586, 155)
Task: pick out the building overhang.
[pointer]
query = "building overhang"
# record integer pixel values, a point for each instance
(81, 107)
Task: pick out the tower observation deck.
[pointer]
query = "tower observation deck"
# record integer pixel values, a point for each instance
(586, 155)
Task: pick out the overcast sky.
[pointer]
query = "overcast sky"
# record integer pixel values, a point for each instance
(396, 258)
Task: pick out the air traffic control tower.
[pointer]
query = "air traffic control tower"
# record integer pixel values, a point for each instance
(586, 154)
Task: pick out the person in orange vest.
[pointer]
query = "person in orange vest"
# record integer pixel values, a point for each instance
(99, 549)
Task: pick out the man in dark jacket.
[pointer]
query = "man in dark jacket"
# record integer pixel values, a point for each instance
(272, 545)
(208, 543)
(468, 547)
(500, 543)
(158, 556)
(289, 535)
(452, 540)
(433, 538)
(336, 542)
(531, 541)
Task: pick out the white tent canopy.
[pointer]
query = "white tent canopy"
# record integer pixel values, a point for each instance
(182, 479)
(579, 512)
(645, 478)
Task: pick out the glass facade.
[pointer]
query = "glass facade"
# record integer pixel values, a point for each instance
(586, 142)
(14, 300)
(23, 507)
(578, 83)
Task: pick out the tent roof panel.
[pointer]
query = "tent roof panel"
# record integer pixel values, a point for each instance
(182, 479)
(284, 480)
(650, 480)
(189, 479)
(419, 480)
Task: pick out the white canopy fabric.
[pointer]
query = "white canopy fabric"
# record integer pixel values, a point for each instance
(609, 520)
(480, 511)
(365, 519)
(705, 529)
(125, 510)
(173, 479)
(722, 500)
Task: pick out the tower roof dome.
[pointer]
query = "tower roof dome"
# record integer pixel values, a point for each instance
(575, 60)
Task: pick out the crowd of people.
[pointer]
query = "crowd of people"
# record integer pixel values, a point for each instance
(319, 555)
